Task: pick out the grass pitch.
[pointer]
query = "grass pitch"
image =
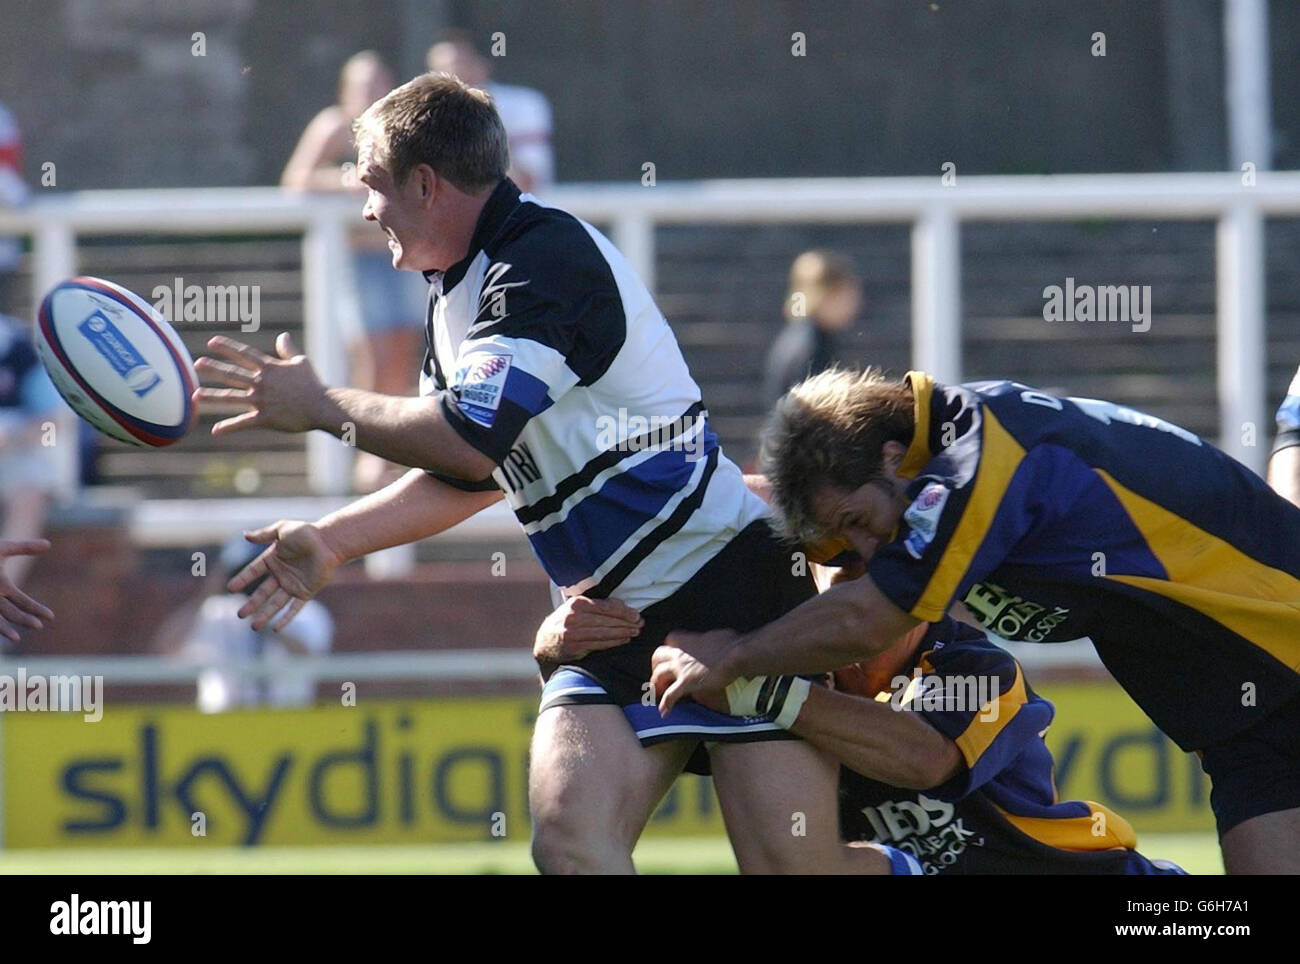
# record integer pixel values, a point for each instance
(1196, 853)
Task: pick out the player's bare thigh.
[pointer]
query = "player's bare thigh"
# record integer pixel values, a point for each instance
(592, 787)
(780, 801)
(1267, 844)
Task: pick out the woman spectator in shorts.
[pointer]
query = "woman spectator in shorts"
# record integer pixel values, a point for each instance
(386, 356)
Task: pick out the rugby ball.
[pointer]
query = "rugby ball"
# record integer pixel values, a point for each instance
(115, 359)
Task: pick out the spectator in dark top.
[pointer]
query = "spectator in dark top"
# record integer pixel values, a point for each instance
(824, 298)
(13, 193)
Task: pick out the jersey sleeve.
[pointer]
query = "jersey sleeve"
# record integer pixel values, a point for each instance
(978, 698)
(533, 339)
(970, 506)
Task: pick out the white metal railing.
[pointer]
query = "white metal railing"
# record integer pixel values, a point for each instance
(452, 664)
(480, 665)
(934, 211)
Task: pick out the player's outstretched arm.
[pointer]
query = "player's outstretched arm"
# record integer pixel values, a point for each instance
(301, 557)
(283, 393)
(16, 607)
(849, 622)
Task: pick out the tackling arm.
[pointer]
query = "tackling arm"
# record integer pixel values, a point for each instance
(875, 739)
(850, 622)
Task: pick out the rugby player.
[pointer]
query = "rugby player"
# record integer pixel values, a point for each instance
(1051, 519)
(945, 770)
(550, 377)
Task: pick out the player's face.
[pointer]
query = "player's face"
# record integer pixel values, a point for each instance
(403, 211)
(865, 517)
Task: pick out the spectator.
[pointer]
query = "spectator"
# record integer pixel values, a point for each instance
(525, 113)
(13, 192)
(28, 471)
(392, 302)
(211, 632)
(824, 298)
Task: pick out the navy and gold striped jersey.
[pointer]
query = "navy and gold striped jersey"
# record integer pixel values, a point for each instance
(1000, 814)
(1058, 518)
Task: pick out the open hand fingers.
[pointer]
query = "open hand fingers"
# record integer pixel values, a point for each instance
(17, 616)
(247, 420)
(276, 601)
(260, 595)
(23, 547)
(295, 607)
(252, 572)
(27, 604)
(224, 373)
(226, 396)
(238, 351)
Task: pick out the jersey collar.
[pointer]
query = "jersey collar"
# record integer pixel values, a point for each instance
(918, 453)
(502, 200)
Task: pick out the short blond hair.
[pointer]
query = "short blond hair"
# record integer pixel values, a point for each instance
(814, 274)
(435, 119)
(829, 430)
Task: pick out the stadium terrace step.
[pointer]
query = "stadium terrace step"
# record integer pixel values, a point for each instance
(721, 288)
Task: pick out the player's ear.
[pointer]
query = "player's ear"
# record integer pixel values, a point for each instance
(425, 182)
(892, 454)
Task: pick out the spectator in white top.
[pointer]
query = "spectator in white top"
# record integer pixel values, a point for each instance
(525, 113)
(214, 634)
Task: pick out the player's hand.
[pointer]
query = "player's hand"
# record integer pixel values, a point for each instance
(297, 564)
(16, 607)
(582, 625)
(691, 664)
(281, 393)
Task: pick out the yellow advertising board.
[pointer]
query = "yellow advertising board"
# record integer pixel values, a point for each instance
(1107, 751)
(391, 772)
(434, 770)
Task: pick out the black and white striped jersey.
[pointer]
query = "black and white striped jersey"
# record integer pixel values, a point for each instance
(549, 355)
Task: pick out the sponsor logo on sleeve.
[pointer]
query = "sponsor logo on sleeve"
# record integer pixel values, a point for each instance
(922, 517)
(480, 383)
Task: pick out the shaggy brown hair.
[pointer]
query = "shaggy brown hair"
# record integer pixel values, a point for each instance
(828, 430)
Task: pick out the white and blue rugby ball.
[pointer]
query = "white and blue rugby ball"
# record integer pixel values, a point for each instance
(116, 360)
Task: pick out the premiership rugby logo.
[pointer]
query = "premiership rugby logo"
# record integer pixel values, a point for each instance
(922, 517)
(482, 381)
(485, 370)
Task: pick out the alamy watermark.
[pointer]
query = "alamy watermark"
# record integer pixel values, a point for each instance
(210, 304)
(52, 694)
(661, 433)
(932, 693)
(1128, 304)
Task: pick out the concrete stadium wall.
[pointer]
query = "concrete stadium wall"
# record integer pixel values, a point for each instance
(110, 91)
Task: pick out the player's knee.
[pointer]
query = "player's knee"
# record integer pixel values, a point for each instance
(560, 846)
(571, 833)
